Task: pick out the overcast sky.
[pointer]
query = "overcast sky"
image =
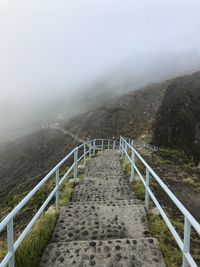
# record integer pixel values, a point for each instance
(47, 46)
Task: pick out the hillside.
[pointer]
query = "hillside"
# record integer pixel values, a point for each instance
(166, 114)
(131, 114)
(177, 121)
(27, 160)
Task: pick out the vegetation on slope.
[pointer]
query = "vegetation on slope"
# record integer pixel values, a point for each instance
(32, 247)
(170, 250)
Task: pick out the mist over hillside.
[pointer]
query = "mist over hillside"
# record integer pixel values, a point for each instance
(90, 52)
(166, 114)
(130, 74)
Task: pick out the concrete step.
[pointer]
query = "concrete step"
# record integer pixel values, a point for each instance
(104, 225)
(107, 189)
(85, 222)
(104, 253)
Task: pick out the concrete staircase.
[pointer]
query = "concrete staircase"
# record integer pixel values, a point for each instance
(104, 225)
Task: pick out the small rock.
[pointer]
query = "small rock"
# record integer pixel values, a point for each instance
(154, 211)
(74, 181)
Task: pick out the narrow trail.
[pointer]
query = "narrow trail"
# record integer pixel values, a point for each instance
(104, 225)
(59, 128)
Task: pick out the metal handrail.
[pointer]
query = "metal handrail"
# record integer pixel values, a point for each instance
(89, 148)
(189, 220)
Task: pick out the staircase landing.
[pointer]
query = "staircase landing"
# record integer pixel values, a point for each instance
(104, 225)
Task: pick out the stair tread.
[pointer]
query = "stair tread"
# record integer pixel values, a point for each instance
(104, 253)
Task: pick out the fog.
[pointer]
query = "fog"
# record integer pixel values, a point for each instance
(54, 53)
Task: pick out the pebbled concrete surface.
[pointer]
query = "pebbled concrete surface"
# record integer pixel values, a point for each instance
(104, 225)
(104, 253)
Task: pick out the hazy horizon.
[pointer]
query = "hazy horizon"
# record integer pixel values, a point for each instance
(51, 50)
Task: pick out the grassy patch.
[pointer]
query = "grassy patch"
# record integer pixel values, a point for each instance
(170, 251)
(192, 182)
(32, 247)
(66, 193)
(3, 249)
(126, 167)
(139, 190)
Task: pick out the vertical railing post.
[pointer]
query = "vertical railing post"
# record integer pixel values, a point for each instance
(126, 146)
(132, 143)
(94, 146)
(122, 147)
(113, 145)
(132, 165)
(84, 151)
(90, 148)
(57, 188)
(10, 242)
(102, 145)
(75, 163)
(147, 193)
(108, 144)
(186, 242)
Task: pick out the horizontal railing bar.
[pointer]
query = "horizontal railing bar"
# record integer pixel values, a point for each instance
(66, 174)
(89, 144)
(176, 201)
(31, 194)
(166, 219)
(190, 259)
(23, 203)
(106, 140)
(6, 259)
(140, 175)
(34, 219)
(127, 155)
(79, 159)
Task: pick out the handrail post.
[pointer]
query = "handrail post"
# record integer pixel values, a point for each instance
(10, 242)
(94, 146)
(108, 144)
(75, 163)
(126, 146)
(132, 165)
(90, 148)
(84, 148)
(122, 147)
(57, 188)
(147, 193)
(102, 145)
(186, 242)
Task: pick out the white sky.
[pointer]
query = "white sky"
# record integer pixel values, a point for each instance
(47, 46)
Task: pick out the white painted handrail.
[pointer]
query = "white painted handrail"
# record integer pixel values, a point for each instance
(87, 148)
(189, 220)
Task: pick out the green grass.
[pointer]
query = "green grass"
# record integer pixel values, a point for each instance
(139, 190)
(66, 193)
(3, 249)
(171, 253)
(32, 247)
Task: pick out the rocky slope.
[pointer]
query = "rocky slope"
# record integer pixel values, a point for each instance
(131, 115)
(177, 121)
(24, 162)
(167, 114)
